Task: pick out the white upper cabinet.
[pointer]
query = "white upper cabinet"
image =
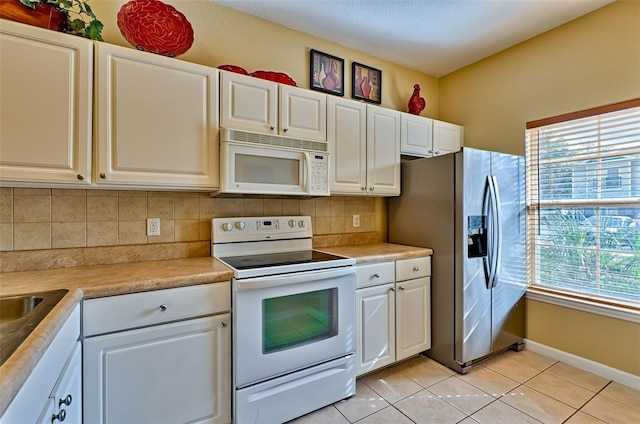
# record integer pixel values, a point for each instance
(157, 121)
(258, 105)
(447, 138)
(426, 137)
(347, 138)
(364, 143)
(416, 134)
(303, 113)
(45, 107)
(383, 151)
(248, 103)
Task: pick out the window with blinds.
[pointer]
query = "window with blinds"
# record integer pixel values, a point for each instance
(583, 200)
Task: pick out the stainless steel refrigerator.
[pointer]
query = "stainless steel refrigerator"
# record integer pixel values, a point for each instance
(469, 207)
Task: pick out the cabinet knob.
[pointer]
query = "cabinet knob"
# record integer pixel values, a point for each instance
(392, 289)
(370, 188)
(416, 269)
(285, 129)
(223, 324)
(103, 175)
(401, 288)
(163, 307)
(272, 128)
(59, 416)
(376, 275)
(363, 188)
(437, 152)
(430, 151)
(80, 177)
(66, 401)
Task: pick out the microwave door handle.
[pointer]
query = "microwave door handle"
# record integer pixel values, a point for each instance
(305, 174)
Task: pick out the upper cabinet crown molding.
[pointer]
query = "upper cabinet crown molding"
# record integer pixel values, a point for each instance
(157, 121)
(46, 96)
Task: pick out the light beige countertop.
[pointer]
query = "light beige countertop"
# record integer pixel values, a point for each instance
(377, 252)
(90, 282)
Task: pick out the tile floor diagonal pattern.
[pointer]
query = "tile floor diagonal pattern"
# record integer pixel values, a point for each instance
(515, 387)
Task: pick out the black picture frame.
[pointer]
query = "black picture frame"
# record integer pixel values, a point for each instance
(366, 83)
(326, 73)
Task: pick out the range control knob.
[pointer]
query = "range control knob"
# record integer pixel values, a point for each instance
(240, 225)
(301, 223)
(292, 223)
(226, 227)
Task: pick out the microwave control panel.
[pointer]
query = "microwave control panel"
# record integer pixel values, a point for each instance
(319, 174)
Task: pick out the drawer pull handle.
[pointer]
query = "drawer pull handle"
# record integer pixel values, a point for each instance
(416, 269)
(66, 401)
(59, 416)
(223, 324)
(163, 307)
(376, 275)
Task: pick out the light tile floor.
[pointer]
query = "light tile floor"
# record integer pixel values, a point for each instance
(515, 387)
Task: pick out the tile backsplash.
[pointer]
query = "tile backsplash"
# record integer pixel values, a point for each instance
(36, 219)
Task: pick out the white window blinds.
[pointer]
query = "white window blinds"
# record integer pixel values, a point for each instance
(583, 198)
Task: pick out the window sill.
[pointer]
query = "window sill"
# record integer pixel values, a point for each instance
(585, 305)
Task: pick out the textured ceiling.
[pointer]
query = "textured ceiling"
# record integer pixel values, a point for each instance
(432, 36)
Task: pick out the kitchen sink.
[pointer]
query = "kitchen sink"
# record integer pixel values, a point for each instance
(20, 314)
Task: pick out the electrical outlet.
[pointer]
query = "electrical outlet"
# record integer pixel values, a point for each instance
(356, 221)
(153, 226)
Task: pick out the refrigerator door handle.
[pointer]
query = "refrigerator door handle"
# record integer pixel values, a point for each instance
(491, 211)
(497, 228)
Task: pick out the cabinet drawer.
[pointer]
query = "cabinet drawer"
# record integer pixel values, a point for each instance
(373, 274)
(408, 269)
(154, 307)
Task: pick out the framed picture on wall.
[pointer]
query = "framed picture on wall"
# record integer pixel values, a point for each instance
(326, 73)
(367, 83)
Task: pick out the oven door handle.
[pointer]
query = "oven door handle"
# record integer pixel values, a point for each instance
(295, 278)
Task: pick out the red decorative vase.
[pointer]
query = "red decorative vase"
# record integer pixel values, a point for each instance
(156, 27)
(44, 15)
(416, 103)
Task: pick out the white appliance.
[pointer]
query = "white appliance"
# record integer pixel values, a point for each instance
(253, 163)
(293, 318)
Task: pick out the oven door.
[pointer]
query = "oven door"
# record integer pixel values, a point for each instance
(288, 322)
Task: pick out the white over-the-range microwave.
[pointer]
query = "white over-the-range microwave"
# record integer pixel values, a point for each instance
(252, 163)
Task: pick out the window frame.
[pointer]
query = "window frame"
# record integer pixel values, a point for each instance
(617, 308)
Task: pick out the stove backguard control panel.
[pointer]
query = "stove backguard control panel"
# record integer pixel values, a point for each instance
(229, 230)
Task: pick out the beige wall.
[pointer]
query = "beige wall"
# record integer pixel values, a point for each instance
(592, 61)
(225, 36)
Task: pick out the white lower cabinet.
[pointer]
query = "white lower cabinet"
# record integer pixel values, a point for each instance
(52, 392)
(393, 312)
(170, 372)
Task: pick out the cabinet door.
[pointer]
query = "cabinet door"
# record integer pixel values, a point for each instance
(45, 106)
(375, 327)
(413, 317)
(347, 137)
(157, 121)
(303, 113)
(248, 103)
(67, 393)
(383, 151)
(415, 135)
(447, 137)
(175, 373)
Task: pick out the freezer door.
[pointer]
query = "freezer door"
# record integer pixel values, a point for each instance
(473, 296)
(509, 287)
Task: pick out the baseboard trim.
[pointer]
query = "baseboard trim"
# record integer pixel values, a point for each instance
(597, 368)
